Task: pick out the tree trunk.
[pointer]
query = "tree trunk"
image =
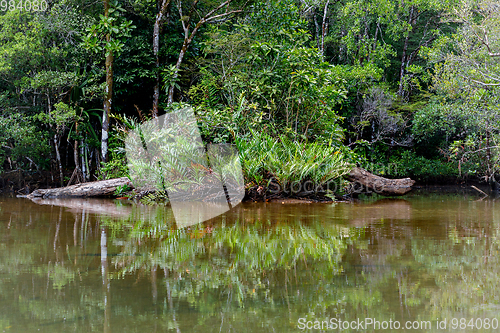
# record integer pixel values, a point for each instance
(374, 47)
(316, 25)
(58, 158)
(76, 158)
(84, 190)
(56, 144)
(108, 93)
(403, 57)
(160, 18)
(324, 28)
(83, 155)
(380, 185)
(176, 72)
(488, 154)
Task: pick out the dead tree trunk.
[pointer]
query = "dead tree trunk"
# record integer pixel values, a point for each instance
(380, 185)
(93, 189)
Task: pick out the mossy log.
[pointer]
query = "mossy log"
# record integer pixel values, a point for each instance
(380, 185)
(100, 188)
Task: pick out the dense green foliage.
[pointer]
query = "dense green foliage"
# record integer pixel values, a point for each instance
(412, 83)
(287, 163)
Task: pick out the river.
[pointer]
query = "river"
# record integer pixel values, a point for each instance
(110, 266)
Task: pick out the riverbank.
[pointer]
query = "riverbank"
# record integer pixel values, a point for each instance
(206, 188)
(24, 182)
(260, 194)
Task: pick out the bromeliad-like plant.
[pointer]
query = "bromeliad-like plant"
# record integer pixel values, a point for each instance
(290, 162)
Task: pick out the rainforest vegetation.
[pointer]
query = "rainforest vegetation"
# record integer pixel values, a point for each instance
(306, 89)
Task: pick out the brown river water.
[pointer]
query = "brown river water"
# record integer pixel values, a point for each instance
(423, 263)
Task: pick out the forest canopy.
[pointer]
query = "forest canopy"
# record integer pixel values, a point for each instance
(410, 88)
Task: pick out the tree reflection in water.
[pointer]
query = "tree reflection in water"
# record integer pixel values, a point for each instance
(258, 268)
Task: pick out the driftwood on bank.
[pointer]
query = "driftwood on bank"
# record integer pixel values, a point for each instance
(380, 185)
(93, 189)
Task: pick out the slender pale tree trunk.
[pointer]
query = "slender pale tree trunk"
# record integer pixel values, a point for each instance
(83, 155)
(316, 25)
(76, 158)
(324, 28)
(402, 70)
(58, 157)
(177, 68)
(160, 19)
(488, 153)
(108, 93)
(56, 144)
(374, 47)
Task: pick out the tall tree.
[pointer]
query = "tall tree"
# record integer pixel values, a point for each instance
(160, 19)
(107, 36)
(108, 90)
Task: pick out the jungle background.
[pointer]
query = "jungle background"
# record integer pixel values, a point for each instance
(305, 89)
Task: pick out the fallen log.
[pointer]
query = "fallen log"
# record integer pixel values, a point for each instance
(100, 188)
(380, 185)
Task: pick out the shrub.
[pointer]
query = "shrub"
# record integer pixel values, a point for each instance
(409, 164)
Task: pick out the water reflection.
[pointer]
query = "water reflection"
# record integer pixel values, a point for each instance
(91, 205)
(383, 209)
(66, 266)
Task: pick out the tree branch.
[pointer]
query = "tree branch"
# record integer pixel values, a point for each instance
(209, 17)
(225, 14)
(485, 84)
(486, 43)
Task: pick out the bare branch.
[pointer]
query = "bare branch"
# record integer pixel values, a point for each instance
(486, 43)
(209, 17)
(488, 76)
(477, 151)
(222, 15)
(216, 9)
(486, 84)
(308, 6)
